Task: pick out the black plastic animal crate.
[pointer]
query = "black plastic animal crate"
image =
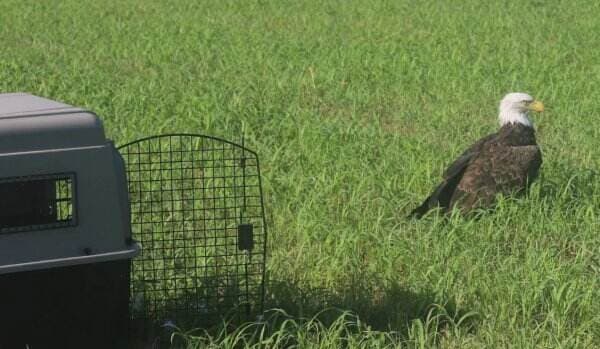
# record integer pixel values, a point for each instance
(74, 211)
(65, 235)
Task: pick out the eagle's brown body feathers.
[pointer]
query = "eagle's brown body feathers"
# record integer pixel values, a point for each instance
(505, 162)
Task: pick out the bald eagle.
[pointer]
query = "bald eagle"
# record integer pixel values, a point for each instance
(504, 162)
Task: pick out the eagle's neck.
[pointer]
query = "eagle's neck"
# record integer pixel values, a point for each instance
(516, 134)
(511, 116)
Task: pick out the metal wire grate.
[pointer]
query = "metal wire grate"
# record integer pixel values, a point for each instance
(37, 202)
(197, 210)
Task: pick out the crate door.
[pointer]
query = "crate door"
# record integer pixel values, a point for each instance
(197, 210)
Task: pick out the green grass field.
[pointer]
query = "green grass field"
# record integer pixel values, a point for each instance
(355, 108)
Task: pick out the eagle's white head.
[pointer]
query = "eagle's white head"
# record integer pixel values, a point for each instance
(515, 107)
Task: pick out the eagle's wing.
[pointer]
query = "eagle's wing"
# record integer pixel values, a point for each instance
(463, 160)
(499, 169)
(442, 194)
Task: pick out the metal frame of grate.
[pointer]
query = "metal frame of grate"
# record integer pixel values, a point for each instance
(197, 210)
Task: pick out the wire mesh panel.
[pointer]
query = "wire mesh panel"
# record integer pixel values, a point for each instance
(196, 209)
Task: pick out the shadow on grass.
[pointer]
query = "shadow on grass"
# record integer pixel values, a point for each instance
(156, 316)
(356, 308)
(380, 309)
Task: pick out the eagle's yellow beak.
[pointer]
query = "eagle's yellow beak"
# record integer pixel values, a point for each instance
(536, 106)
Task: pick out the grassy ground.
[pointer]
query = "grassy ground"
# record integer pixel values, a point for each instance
(355, 107)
